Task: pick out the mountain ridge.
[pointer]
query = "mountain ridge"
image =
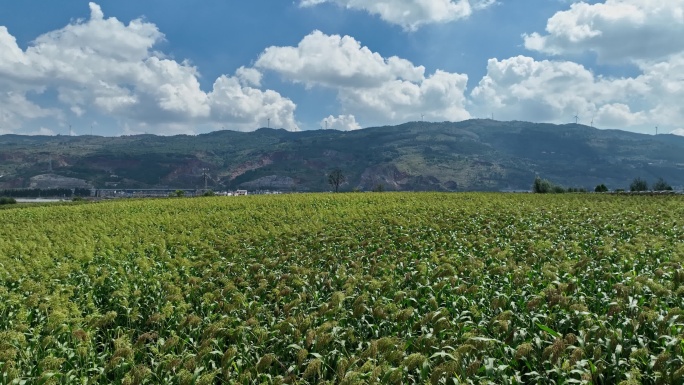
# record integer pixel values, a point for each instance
(478, 154)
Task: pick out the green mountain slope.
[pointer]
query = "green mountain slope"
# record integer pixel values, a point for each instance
(469, 155)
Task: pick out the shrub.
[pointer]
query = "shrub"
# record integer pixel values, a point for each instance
(7, 201)
(543, 186)
(601, 188)
(558, 189)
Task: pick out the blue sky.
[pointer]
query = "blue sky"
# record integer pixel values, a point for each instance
(168, 67)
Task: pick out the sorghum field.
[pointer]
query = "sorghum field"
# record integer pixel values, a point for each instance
(345, 289)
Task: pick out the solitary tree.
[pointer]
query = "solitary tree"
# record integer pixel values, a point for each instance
(661, 185)
(336, 178)
(638, 184)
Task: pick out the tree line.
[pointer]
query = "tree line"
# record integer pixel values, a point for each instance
(544, 186)
(52, 192)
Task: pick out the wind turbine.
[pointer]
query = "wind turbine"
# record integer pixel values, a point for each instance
(576, 118)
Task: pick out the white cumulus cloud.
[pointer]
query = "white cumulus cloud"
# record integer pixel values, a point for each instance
(522, 88)
(679, 132)
(106, 66)
(411, 14)
(336, 61)
(375, 88)
(249, 76)
(643, 33)
(616, 30)
(341, 123)
(242, 105)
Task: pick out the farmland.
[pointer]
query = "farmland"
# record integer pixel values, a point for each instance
(345, 288)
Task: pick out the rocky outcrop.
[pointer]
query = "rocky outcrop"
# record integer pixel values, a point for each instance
(250, 166)
(387, 176)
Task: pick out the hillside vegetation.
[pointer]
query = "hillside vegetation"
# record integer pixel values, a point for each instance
(469, 155)
(345, 288)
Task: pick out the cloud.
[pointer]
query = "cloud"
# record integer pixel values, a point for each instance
(249, 76)
(616, 30)
(643, 33)
(377, 89)
(230, 101)
(42, 131)
(106, 66)
(411, 14)
(521, 88)
(438, 97)
(16, 108)
(341, 122)
(336, 61)
(679, 132)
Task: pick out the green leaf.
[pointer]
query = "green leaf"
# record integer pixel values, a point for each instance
(549, 330)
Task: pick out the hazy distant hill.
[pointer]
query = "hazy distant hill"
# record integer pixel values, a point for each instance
(469, 155)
